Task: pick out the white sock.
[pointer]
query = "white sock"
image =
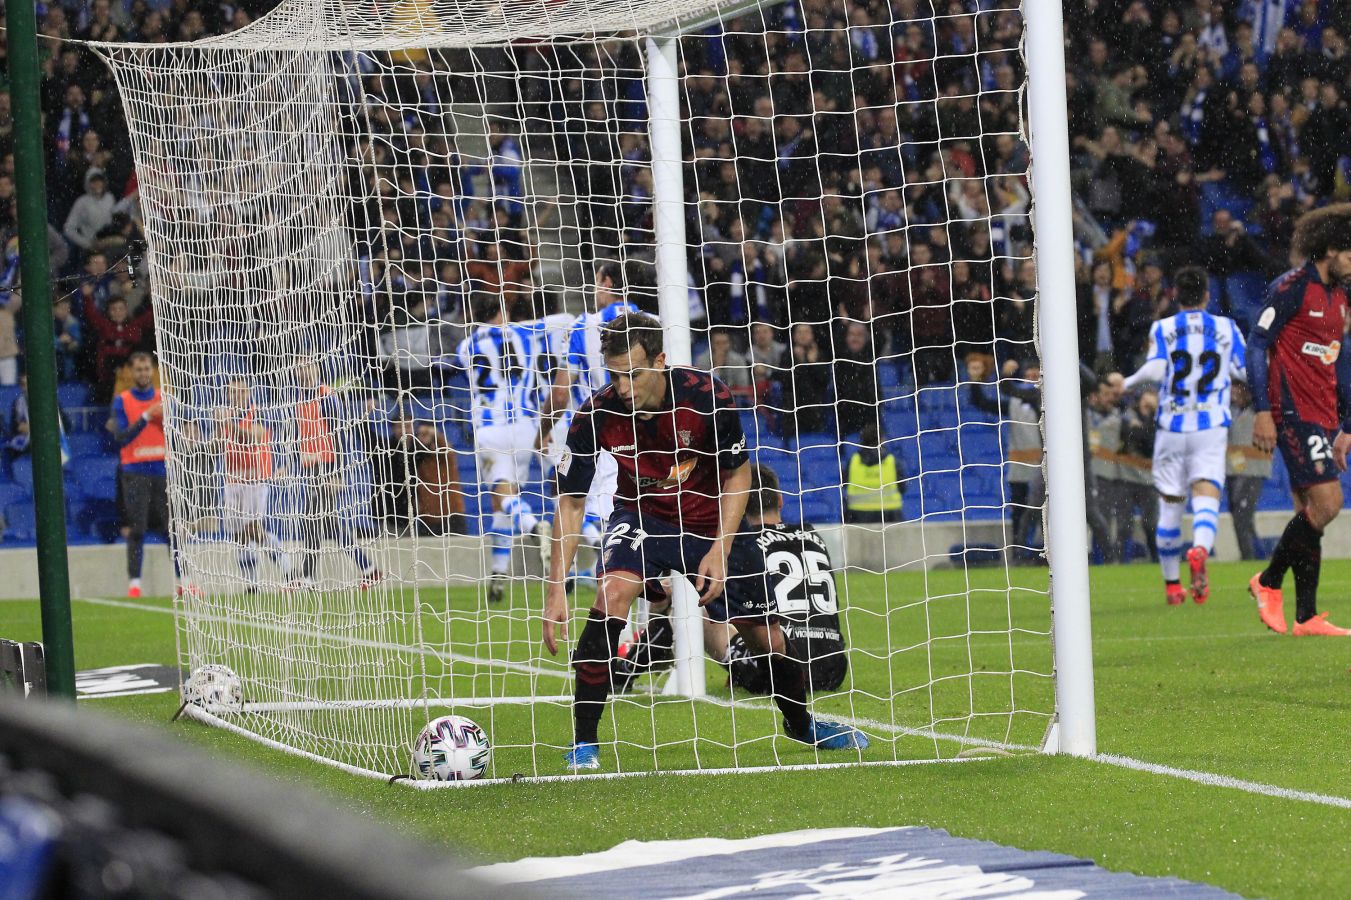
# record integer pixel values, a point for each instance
(135, 582)
(1205, 520)
(1169, 538)
(520, 514)
(499, 538)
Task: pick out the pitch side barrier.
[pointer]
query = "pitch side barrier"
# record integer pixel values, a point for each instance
(90, 806)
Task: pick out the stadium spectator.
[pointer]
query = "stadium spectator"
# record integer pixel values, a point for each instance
(68, 337)
(1136, 486)
(117, 336)
(726, 363)
(855, 374)
(92, 212)
(1104, 486)
(19, 432)
(1018, 399)
(10, 302)
(803, 384)
(1247, 471)
(768, 356)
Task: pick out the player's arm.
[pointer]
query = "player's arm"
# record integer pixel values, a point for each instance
(576, 469)
(735, 470)
(1155, 368)
(560, 395)
(124, 432)
(1342, 443)
(1282, 305)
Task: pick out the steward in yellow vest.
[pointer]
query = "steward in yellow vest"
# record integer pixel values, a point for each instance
(873, 490)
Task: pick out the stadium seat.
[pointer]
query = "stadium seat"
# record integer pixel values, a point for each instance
(72, 395)
(22, 472)
(87, 444)
(20, 522)
(12, 493)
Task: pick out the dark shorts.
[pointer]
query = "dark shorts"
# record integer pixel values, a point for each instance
(1307, 451)
(145, 500)
(741, 605)
(649, 547)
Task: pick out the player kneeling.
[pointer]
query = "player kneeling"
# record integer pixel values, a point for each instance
(780, 570)
(682, 490)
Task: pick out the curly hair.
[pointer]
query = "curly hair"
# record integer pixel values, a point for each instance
(764, 492)
(1324, 231)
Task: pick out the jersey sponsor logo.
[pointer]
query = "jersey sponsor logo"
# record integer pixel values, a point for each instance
(564, 461)
(685, 437)
(626, 448)
(679, 474)
(1326, 353)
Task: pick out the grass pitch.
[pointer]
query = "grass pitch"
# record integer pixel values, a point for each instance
(1202, 688)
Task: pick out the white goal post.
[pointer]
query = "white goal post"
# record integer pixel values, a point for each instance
(374, 233)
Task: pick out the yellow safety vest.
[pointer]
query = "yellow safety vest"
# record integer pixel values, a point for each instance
(873, 488)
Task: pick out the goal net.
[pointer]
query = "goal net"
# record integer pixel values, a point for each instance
(340, 199)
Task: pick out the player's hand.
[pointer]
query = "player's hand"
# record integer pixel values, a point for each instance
(1340, 446)
(155, 411)
(1264, 432)
(712, 574)
(555, 617)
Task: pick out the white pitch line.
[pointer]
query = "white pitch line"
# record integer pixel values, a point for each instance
(1210, 779)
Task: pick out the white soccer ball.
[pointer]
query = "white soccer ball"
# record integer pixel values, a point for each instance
(451, 748)
(216, 688)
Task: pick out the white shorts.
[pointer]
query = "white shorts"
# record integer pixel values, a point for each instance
(245, 503)
(504, 451)
(1182, 458)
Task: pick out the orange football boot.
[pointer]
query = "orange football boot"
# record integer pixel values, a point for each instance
(1270, 604)
(1320, 626)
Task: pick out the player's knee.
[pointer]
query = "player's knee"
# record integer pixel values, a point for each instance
(616, 594)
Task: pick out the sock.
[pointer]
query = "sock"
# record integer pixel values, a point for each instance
(248, 564)
(789, 685)
(135, 582)
(591, 534)
(362, 560)
(1205, 519)
(1307, 566)
(276, 552)
(522, 517)
(597, 645)
(1168, 536)
(1298, 537)
(499, 537)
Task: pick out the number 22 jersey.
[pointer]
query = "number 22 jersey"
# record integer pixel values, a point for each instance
(1201, 354)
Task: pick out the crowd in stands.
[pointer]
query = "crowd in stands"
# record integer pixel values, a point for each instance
(858, 209)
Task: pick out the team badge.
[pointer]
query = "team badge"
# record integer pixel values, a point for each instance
(685, 437)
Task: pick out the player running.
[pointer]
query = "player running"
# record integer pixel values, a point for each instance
(1195, 355)
(246, 447)
(682, 490)
(1301, 387)
(321, 477)
(782, 570)
(506, 364)
(577, 381)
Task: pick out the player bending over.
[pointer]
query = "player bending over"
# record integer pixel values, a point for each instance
(682, 491)
(784, 570)
(503, 362)
(582, 374)
(1195, 355)
(247, 451)
(1301, 387)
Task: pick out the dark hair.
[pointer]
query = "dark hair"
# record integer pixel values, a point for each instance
(484, 306)
(1191, 282)
(764, 493)
(613, 271)
(141, 355)
(628, 331)
(1324, 231)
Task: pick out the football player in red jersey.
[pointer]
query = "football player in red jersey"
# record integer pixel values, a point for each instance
(683, 482)
(1301, 386)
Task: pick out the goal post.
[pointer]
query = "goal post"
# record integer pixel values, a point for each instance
(374, 233)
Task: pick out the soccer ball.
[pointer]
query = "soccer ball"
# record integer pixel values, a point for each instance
(451, 748)
(215, 688)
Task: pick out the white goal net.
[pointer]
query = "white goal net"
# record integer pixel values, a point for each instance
(372, 229)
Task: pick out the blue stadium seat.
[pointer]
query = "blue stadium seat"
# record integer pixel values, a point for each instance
(12, 493)
(72, 394)
(20, 522)
(89, 443)
(22, 472)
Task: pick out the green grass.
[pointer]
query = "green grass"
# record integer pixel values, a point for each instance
(1193, 687)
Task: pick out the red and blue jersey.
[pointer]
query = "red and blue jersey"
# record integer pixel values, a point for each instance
(672, 462)
(1295, 361)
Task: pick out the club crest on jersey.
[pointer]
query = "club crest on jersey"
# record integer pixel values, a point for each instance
(685, 437)
(1326, 353)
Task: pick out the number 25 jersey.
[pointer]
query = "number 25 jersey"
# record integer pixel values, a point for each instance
(1201, 354)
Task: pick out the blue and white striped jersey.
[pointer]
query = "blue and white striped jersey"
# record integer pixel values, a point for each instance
(1201, 355)
(584, 361)
(509, 368)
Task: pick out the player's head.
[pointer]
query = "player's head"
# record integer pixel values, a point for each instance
(1324, 237)
(764, 503)
(1193, 287)
(487, 308)
(237, 395)
(632, 348)
(609, 283)
(142, 369)
(307, 373)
